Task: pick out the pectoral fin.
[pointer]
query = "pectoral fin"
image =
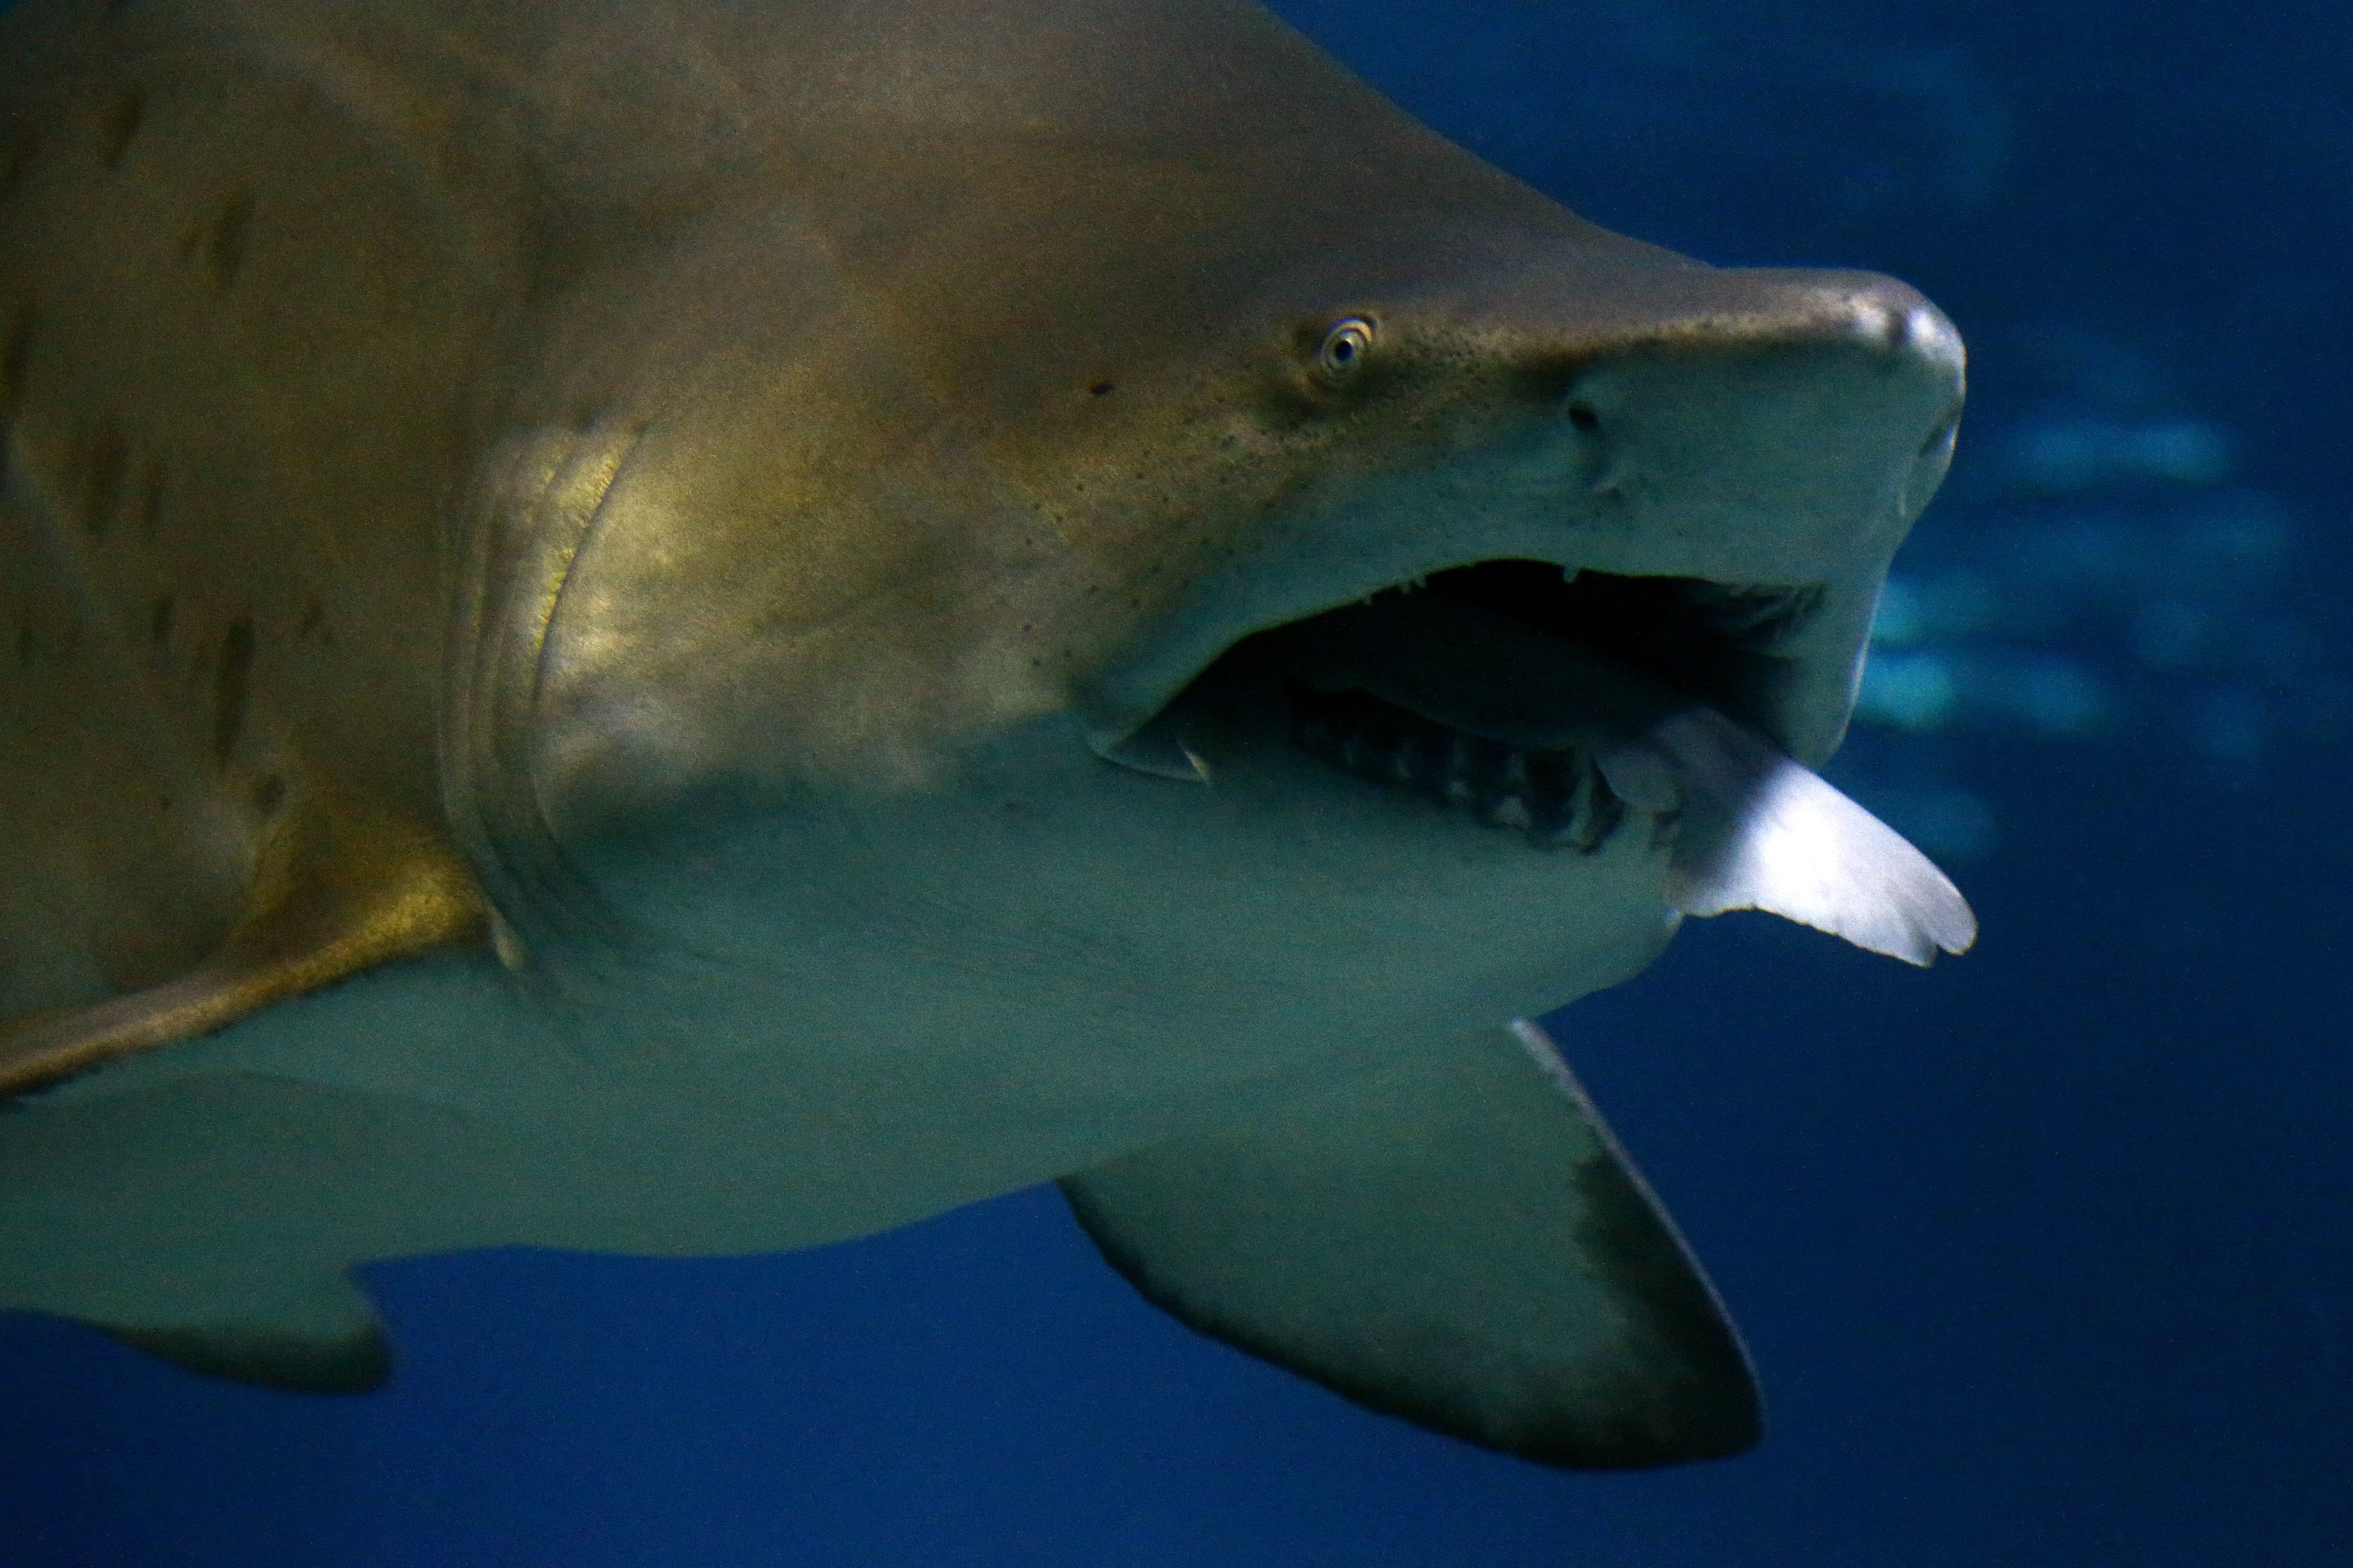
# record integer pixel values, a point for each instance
(338, 891)
(1458, 1241)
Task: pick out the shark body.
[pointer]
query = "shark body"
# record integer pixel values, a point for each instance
(712, 626)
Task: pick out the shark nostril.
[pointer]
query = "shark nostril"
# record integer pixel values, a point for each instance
(1941, 435)
(1582, 416)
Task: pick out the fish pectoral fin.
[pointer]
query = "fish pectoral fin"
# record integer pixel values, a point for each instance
(1458, 1241)
(337, 892)
(322, 1338)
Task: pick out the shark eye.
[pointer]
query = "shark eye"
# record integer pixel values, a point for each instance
(1345, 347)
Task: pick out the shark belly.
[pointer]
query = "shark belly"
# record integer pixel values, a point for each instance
(829, 1038)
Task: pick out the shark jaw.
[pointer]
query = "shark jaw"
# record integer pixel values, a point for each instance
(1503, 688)
(1570, 708)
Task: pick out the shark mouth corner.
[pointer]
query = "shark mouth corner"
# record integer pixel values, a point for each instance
(1570, 706)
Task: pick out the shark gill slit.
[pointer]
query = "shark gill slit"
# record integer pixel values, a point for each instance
(531, 883)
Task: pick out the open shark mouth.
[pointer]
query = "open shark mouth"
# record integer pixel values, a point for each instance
(1507, 688)
(1570, 706)
(1537, 675)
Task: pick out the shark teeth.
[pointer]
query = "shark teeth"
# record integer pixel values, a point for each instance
(1555, 796)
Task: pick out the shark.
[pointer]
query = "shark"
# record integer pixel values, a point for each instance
(709, 626)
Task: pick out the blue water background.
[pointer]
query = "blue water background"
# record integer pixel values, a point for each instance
(2044, 1254)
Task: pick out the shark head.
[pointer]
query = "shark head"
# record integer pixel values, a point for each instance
(1252, 549)
(1700, 473)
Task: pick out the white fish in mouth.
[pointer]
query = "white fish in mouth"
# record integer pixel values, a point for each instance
(709, 626)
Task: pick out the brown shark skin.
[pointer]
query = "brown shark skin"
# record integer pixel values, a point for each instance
(222, 652)
(221, 684)
(443, 437)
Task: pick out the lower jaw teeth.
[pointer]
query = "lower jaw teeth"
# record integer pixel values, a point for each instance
(1557, 798)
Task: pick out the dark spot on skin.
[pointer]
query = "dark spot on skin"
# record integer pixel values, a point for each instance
(118, 126)
(17, 151)
(150, 497)
(102, 489)
(1582, 416)
(224, 242)
(312, 613)
(1101, 389)
(159, 620)
(232, 682)
(268, 793)
(13, 357)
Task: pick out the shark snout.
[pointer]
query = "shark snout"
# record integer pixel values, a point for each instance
(1725, 461)
(1789, 429)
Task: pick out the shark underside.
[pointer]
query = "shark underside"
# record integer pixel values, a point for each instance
(707, 627)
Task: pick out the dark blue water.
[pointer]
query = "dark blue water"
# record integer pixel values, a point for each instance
(2044, 1254)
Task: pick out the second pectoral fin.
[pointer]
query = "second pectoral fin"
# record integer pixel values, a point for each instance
(1458, 1241)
